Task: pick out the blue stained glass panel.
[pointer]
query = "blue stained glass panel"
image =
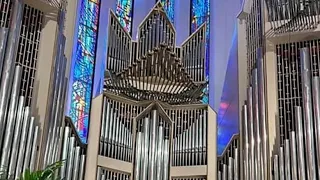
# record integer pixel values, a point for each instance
(169, 8)
(82, 77)
(124, 13)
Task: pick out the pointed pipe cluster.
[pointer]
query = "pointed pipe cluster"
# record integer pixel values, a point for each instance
(190, 137)
(116, 129)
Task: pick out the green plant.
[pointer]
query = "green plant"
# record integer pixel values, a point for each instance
(49, 173)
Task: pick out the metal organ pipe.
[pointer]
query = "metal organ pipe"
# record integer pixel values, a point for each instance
(11, 118)
(262, 115)
(300, 144)
(316, 111)
(3, 43)
(308, 116)
(9, 62)
(256, 121)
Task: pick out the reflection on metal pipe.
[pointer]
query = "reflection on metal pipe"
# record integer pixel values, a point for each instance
(308, 116)
(9, 62)
(300, 144)
(3, 43)
(276, 167)
(281, 164)
(287, 159)
(293, 152)
(262, 115)
(316, 111)
(11, 118)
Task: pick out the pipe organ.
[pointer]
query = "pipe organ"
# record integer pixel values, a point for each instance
(21, 133)
(290, 36)
(153, 124)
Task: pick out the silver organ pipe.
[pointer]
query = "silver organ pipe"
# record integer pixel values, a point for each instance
(73, 153)
(105, 174)
(307, 114)
(9, 63)
(3, 43)
(116, 129)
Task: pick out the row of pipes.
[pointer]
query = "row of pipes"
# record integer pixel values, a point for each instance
(119, 46)
(190, 137)
(73, 154)
(57, 95)
(255, 135)
(18, 130)
(156, 29)
(229, 162)
(116, 129)
(293, 15)
(152, 148)
(298, 157)
(193, 54)
(105, 174)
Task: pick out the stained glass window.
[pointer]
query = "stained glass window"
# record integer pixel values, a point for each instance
(169, 8)
(200, 13)
(124, 12)
(82, 77)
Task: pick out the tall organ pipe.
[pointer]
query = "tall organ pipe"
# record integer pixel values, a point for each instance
(27, 153)
(23, 143)
(9, 130)
(262, 115)
(236, 164)
(245, 142)
(251, 135)
(287, 159)
(17, 137)
(145, 149)
(316, 110)
(308, 116)
(166, 159)
(293, 152)
(276, 167)
(300, 144)
(138, 156)
(9, 62)
(281, 164)
(159, 154)
(3, 43)
(256, 123)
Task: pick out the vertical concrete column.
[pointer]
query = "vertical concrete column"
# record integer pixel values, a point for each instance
(40, 103)
(271, 95)
(70, 29)
(93, 138)
(242, 78)
(212, 144)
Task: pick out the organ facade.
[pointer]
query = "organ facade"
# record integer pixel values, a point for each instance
(150, 123)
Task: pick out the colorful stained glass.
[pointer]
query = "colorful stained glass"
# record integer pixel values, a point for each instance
(124, 13)
(82, 77)
(200, 13)
(169, 8)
